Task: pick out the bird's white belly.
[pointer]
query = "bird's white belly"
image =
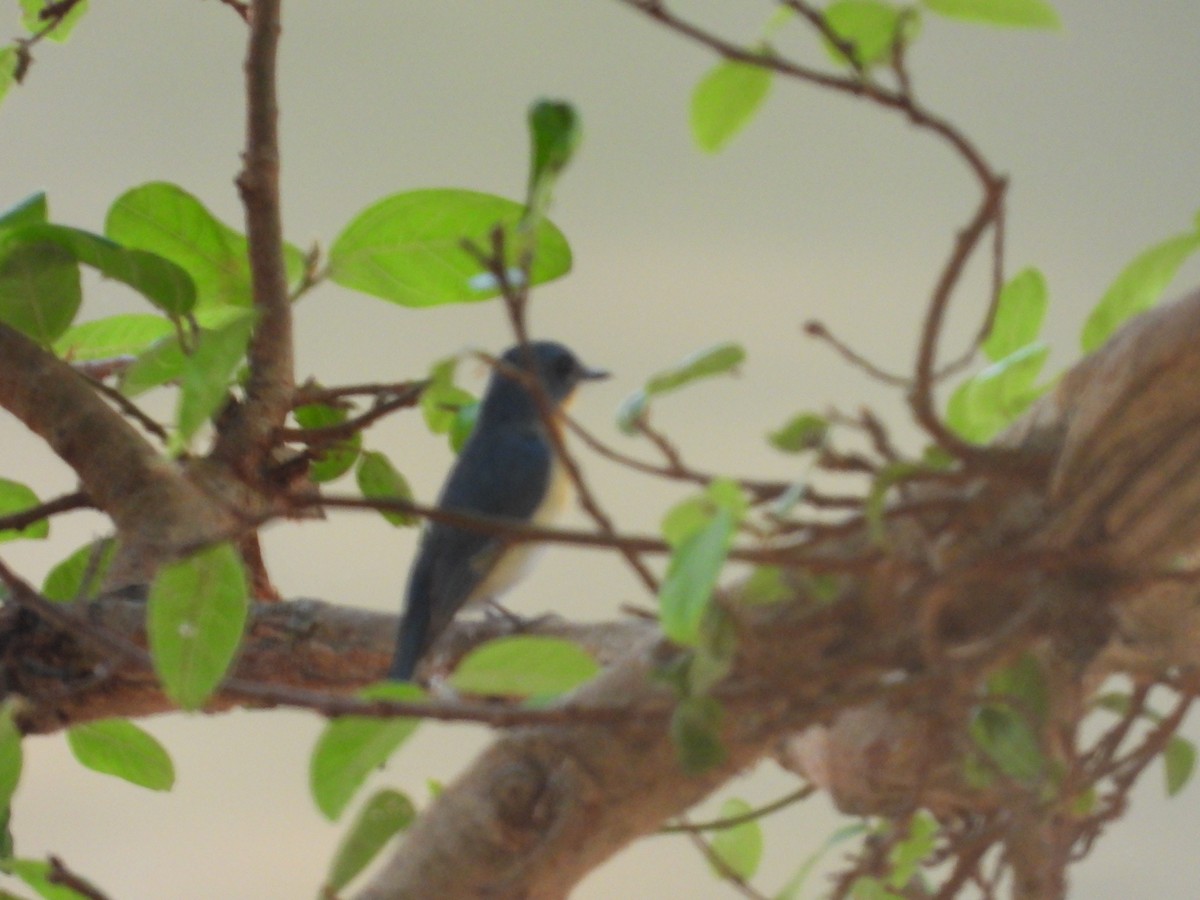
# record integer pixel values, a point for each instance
(517, 559)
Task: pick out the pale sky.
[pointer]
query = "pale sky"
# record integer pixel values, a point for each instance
(825, 207)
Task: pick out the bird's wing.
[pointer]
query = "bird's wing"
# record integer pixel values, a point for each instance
(505, 477)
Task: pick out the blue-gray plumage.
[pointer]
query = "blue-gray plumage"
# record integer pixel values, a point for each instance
(507, 468)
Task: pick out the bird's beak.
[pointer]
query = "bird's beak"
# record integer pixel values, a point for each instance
(594, 374)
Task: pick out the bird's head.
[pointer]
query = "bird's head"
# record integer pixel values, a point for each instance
(557, 369)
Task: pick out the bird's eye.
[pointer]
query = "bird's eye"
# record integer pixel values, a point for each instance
(564, 366)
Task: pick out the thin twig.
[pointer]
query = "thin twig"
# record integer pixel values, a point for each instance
(730, 821)
(65, 503)
(61, 875)
(128, 407)
(819, 331)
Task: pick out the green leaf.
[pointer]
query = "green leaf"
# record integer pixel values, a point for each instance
(766, 584)
(806, 431)
(65, 582)
(739, 847)
(39, 290)
(1023, 683)
(868, 888)
(196, 615)
(14, 498)
(1139, 287)
(725, 100)
(352, 747)
(159, 280)
(876, 504)
(160, 363)
(985, 404)
(11, 756)
(701, 537)
(167, 221)
(1020, 310)
(207, 375)
(1012, 13)
(334, 459)
(1179, 758)
(871, 27)
(555, 133)
(118, 747)
(524, 666)
(695, 730)
(908, 854)
(30, 211)
(1006, 737)
(442, 398)
(378, 479)
(408, 248)
(463, 424)
(382, 817)
(121, 335)
(36, 874)
(715, 360)
(8, 75)
(35, 24)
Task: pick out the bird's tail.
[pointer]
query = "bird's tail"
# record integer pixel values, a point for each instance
(410, 642)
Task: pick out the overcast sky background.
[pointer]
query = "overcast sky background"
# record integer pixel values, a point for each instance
(824, 208)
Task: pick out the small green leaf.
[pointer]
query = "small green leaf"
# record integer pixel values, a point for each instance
(555, 133)
(701, 537)
(1011, 13)
(378, 479)
(121, 335)
(1006, 737)
(463, 424)
(715, 360)
(36, 874)
(739, 847)
(806, 431)
(167, 221)
(334, 459)
(1139, 287)
(11, 756)
(695, 730)
(30, 211)
(352, 747)
(766, 584)
(524, 666)
(196, 615)
(160, 363)
(985, 404)
(14, 498)
(871, 27)
(868, 888)
(908, 854)
(8, 76)
(442, 399)
(35, 24)
(1024, 685)
(725, 100)
(65, 582)
(118, 747)
(408, 248)
(39, 290)
(207, 374)
(385, 815)
(1020, 310)
(1179, 758)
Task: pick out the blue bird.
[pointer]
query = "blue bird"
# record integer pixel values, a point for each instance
(507, 468)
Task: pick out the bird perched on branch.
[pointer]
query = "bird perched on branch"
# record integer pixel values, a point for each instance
(508, 468)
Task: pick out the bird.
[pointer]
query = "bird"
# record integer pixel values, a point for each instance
(507, 468)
